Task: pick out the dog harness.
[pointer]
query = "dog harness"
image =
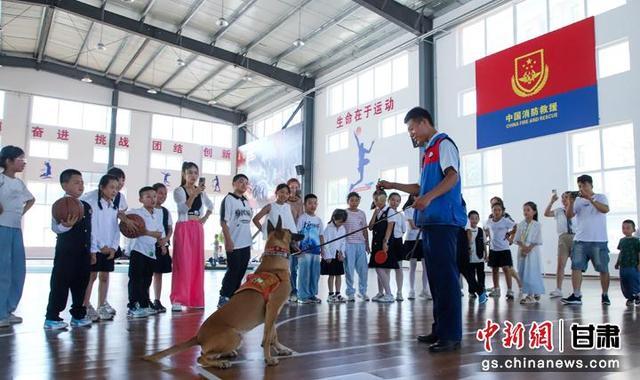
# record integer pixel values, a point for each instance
(263, 282)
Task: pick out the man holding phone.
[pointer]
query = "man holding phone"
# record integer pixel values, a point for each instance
(565, 228)
(590, 242)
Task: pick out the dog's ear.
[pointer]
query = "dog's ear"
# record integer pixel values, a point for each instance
(279, 224)
(297, 237)
(270, 227)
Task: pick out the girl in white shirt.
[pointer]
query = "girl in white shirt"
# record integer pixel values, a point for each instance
(498, 229)
(529, 239)
(187, 284)
(15, 201)
(395, 244)
(413, 252)
(333, 257)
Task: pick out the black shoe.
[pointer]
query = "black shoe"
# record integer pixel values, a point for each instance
(572, 300)
(605, 300)
(429, 339)
(444, 346)
(158, 306)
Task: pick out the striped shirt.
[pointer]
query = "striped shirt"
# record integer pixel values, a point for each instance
(355, 221)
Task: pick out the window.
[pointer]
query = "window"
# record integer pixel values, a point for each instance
(392, 125)
(191, 131)
(37, 222)
(531, 19)
(500, 30)
(101, 156)
(335, 94)
(473, 42)
(608, 155)
(613, 59)
(123, 122)
(166, 161)
(220, 167)
(595, 7)
(1, 105)
(48, 149)
(382, 81)
(365, 86)
(337, 191)
(399, 175)
(274, 122)
(337, 141)
(481, 179)
(350, 94)
(467, 102)
(400, 77)
(565, 12)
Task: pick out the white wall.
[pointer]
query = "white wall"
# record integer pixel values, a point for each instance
(19, 86)
(533, 167)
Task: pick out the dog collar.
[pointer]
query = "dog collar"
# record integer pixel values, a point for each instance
(276, 251)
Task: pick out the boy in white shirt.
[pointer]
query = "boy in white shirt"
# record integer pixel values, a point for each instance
(143, 254)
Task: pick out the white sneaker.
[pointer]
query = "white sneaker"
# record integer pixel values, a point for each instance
(137, 312)
(495, 292)
(387, 298)
(399, 297)
(92, 314)
(363, 297)
(109, 308)
(351, 298)
(555, 294)
(412, 295)
(377, 297)
(104, 314)
(150, 311)
(176, 307)
(528, 300)
(14, 319)
(293, 298)
(331, 299)
(5, 322)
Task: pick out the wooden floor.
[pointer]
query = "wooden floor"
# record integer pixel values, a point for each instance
(349, 341)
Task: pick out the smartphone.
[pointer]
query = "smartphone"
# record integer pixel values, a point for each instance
(201, 181)
(554, 192)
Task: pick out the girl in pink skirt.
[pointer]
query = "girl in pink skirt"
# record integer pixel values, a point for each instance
(187, 284)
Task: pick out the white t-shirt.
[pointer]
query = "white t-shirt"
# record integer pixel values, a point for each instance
(332, 232)
(591, 223)
(473, 258)
(398, 219)
(237, 213)
(13, 196)
(498, 231)
(146, 245)
(283, 211)
(412, 233)
(561, 221)
(93, 195)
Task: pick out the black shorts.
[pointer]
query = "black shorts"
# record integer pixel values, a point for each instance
(333, 268)
(162, 263)
(410, 252)
(102, 264)
(498, 259)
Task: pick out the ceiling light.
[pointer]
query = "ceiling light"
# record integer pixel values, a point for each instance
(100, 46)
(128, 1)
(222, 22)
(248, 78)
(181, 62)
(86, 79)
(212, 102)
(152, 91)
(298, 43)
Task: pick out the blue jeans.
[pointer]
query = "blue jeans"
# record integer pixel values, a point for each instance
(355, 261)
(293, 268)
(630, 282)
(439, 245)
(308, 275)
(12, 269)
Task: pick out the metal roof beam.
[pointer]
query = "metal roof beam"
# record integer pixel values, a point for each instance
(115, 56)
(133, 59)
(399, 14)
(45, 29)
(241, 10)
(149, 62)
(192, 12)
(205, 80)
(147, 9)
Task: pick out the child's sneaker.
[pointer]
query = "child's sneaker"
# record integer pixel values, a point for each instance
(387, 298)
(80, 322)
(363, 297)
(495, 293)
(305, 302)
(222, 301)
(528, 300)
(92, 314)
(5, 322)
(293, 298)
(555, 294)
(472, 296)
(510, 296)
(638, 300)
(14, 319)
(109, 309)
(537, 297)
(150, 310)
(399, 297)
(104, 313)
(339, 299)
(331, 299)
(483, 298)
(158, 306)
(316, 299)
(605, 300)
(176, 307)
(351, 298)
(377, 297)
(631, 301)
(412, 295)
(572, 300)
(54, 325)
(137, 312)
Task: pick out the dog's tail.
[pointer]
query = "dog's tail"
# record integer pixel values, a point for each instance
(172, 350)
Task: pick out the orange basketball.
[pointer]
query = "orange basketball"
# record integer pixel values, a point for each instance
(138, 227)
(380, 257)
(66, 207)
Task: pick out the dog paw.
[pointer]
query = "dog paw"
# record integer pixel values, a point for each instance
(285, 352)
(223, 364)
(271, 361)
(231, 355)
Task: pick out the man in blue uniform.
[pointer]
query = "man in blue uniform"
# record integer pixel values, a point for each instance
(441, 214)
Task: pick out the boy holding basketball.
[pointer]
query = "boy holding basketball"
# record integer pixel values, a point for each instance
(73, 256)
(143, 253)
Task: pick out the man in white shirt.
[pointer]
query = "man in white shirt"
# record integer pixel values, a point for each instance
(235, 219)
(590, 241)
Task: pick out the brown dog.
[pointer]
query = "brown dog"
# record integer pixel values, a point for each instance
(220, 335)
